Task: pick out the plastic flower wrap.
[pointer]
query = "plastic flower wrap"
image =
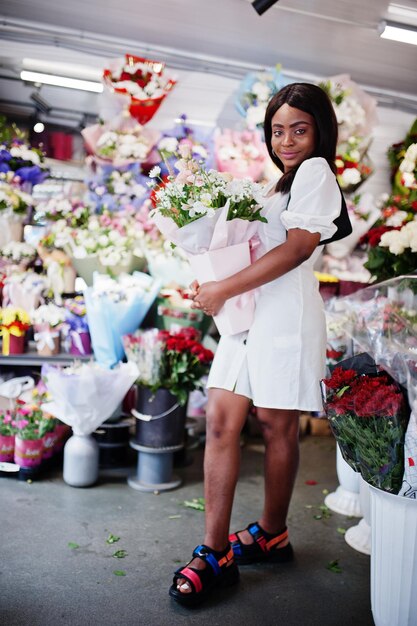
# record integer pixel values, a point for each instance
(76, 326)
(368, 415)
(85, 395)
(116, 308)
(114, 190)
(242, 154)
(254, 93)
(172, 360)
(74, 211)
(355, 110)
(25, 289)
(130, 143)
(140, 83)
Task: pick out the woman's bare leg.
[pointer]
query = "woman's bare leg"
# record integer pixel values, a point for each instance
(280, 430)
(226, 414)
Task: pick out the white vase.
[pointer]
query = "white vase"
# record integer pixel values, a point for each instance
(81, 461)
(359, 536)
(393, 559)
(345, 499)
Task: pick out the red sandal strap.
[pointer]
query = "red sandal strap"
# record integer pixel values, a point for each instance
(193, 577)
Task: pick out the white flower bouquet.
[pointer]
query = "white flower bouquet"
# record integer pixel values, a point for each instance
(213, 218)
(119, 146)
(18, 252)
(254, 93)
(49, 314)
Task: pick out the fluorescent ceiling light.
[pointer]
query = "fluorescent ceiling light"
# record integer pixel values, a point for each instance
(398, 32)
(61, 81)
(400, 11)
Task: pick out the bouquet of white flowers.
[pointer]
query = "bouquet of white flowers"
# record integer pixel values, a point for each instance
(213, 218)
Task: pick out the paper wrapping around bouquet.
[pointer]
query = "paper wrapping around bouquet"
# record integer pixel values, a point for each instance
(11, 229)
(237, 313)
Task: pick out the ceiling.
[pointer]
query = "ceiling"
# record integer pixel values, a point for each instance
(226, 38)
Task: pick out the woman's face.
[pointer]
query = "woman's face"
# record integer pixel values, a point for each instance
(293, 136)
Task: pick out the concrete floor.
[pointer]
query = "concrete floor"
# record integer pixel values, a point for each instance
(44, 582)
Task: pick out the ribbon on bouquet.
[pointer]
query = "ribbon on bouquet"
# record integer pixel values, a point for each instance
(46, 338)
(77, 341)
(6, 332)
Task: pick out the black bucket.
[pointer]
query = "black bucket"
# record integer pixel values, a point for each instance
(167, 428)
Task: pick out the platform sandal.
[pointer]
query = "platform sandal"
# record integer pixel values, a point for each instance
(265, 547)
(217, 573)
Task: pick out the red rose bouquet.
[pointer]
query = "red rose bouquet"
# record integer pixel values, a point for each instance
(173, 360)
(368, 416)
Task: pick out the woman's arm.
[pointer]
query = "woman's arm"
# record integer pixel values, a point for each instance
(298, 247)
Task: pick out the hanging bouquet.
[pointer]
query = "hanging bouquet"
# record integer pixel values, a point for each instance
(242, 154)
(172, 360)
(74, 211)
(368, 416)
(355, 110)
(112, 190)
(254, 93)
(392, 251)
(213, 218)
(141, 82)
(130, 143)
(353, 165)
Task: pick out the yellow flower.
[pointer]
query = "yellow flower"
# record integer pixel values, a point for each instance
(10, 314)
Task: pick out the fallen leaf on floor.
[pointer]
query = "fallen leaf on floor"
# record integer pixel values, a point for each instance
(326, 512)
(311, 482)
(174, 517)
(112, 539)
(73, 545)
(308, 506)
(120, 554)
(318, 516)
(325, 492)
(198, 504)
(342, 531)
(119, 572)
(333, 566)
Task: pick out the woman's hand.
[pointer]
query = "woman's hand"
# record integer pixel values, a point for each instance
(208, 297)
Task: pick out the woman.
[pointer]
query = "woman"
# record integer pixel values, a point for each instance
(279, 362)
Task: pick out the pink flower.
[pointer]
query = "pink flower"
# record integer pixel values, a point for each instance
(20, 424)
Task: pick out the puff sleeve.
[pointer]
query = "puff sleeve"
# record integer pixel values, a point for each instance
(315, 200)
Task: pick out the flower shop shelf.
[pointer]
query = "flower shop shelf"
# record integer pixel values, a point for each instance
(31, 357)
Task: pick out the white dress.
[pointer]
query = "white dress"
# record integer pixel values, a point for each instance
(280, 361)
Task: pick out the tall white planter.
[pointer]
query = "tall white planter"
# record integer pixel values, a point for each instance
(345, 499)
(393, 559)
(359, 537)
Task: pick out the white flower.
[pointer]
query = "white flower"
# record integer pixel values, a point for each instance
(255, 115)
(168, 144)
(350, 176)
(408, 180)
(261, 90)
(155, 172)
(397, 218)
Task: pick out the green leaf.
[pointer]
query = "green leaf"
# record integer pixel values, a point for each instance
(333, 566)
(119, 572)
(198, 504)
(318, 516)
(341, 530)
(112, 539)
(120, 554)
(73, 545)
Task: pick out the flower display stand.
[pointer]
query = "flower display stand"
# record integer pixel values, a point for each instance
(359, 537)
(393, 559)
(345, 499)
(154, 468)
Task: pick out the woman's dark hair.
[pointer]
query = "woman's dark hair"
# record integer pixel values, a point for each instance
(315, 101)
